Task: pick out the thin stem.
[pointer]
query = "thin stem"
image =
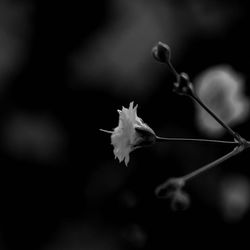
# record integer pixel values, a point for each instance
(230, 131)
(106, 131)
(208, 166)
(173, 70)
(164, 139)
(185, 87)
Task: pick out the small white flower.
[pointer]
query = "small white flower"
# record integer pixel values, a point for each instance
(130, 134)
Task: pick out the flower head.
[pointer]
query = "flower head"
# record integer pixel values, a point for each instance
(131, 133)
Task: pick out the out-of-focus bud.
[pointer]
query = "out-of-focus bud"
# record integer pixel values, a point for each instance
(172, 191)
(183, 86)
(222, 90)
(180, 201)
(161, 52)
(168, 188)
(234, 199)
(135, 236)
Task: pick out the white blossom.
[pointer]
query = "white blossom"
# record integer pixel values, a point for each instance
(131, 133)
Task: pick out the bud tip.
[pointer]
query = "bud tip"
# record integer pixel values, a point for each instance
(161, 52)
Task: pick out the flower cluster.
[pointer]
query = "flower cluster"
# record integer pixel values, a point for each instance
(219, 90)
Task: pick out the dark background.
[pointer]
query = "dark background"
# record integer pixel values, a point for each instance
(65, 68)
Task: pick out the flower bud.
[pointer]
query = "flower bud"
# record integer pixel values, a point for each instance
(169, 188)
(161, 52)
(183, 86)
(180, 201)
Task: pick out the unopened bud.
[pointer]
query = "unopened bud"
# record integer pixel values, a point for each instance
(180, 201)
(183, 86)
(161, 52)
(169, 188)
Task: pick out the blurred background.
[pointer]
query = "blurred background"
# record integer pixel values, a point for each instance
(65, 69)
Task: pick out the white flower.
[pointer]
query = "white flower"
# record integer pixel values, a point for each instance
(222, 90)
(130, 134)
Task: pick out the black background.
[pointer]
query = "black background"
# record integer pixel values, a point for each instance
(86, 199)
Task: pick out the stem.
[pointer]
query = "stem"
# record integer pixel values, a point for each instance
(106, 131)
(208, 166)
(173, 71)
(230, 131)
(164, 139)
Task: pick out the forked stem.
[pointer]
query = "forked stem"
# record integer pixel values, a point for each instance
(210, 165)
(235, 135)
(183, 86)
(173, 184)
